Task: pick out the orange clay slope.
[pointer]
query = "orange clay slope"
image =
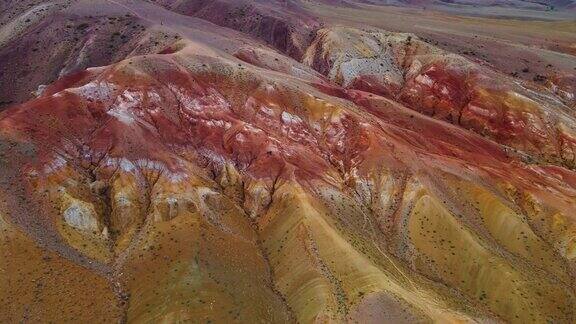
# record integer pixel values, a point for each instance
(225, 182)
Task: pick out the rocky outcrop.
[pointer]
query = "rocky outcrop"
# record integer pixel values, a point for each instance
(447, 87)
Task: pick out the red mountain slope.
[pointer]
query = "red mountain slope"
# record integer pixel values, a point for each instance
(216, 178)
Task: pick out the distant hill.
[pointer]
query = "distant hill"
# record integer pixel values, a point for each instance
(518, 4)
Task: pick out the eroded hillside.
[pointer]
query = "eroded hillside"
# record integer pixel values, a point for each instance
(342, 174)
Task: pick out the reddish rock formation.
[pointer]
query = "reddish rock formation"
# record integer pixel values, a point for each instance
(381, 180)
